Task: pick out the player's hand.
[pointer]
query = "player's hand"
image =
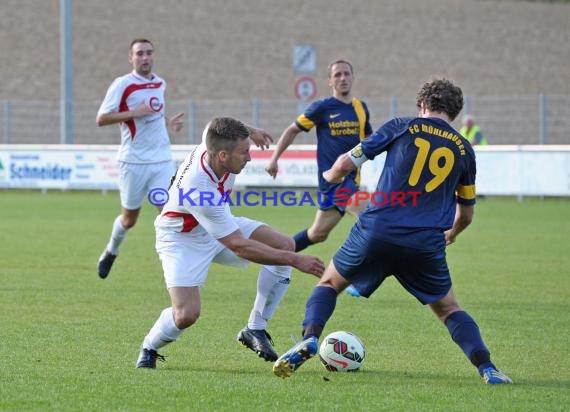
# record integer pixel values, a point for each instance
(310, 264)
(272, 168)
(142, 109)
(449, 237)
(176, 122)
(331, 178)
(260, 137)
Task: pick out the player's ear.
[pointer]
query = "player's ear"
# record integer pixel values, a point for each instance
(223, 155)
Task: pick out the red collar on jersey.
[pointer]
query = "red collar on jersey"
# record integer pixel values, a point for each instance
(220, 182)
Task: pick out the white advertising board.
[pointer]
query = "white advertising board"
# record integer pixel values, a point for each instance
(95, 167)
(523, 170)
(55, 166)
(501, 170)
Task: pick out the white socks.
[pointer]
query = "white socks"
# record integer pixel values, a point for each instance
(163, 331)
(272, 283)
(117, 236)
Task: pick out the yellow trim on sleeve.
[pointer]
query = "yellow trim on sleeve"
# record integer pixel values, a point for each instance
(361, 114)
(466, 192)
(305, 122)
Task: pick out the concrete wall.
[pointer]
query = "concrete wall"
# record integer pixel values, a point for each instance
(242, 49)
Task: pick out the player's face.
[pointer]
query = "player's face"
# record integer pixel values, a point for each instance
(142, 57)
(239, 157)
(340, 79)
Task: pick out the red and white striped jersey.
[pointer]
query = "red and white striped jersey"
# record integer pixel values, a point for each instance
(145, 139)
(197, 200)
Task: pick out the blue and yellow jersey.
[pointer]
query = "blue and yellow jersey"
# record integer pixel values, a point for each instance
(340, 127)
(429, 168)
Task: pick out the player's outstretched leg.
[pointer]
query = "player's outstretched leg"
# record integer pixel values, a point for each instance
(465, 333)
(258, 341)
(291, 360)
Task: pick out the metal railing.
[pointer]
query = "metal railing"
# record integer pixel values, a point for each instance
(538, 119)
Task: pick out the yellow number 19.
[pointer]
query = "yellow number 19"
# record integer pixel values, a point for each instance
(439, 172)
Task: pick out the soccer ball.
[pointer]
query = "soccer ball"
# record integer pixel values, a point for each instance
(342, 352)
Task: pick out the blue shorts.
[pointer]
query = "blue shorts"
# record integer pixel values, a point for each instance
(366, 263)
(337, 196)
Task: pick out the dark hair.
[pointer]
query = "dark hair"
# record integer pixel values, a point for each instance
(331, 64)
(441, 95)
(224, 133)
(139, 40)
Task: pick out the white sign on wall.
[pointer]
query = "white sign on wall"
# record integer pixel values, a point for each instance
(95, 167)
(501, 170)
(304, 58)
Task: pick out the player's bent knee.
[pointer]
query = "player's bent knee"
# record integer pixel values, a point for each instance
(185, 318)
(128, 221)
(128, 224)
(129, 218)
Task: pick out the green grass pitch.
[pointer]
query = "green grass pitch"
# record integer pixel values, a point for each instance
(70, 340)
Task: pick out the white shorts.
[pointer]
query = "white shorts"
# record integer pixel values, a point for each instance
(138, 179)
(186, 257)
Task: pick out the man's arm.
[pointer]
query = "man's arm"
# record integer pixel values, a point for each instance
(341, 167)
(284, 142)
(463, 218)
(175, 122)
(259, 137)
(141, 110)
(258, 252)
(344, 164)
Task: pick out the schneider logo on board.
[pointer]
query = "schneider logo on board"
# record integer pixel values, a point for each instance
(43, 172)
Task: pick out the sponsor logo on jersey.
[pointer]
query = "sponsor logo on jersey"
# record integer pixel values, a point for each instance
(155, 104)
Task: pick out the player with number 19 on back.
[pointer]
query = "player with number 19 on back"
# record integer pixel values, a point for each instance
(424, 154)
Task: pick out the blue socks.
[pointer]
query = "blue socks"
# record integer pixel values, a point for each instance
(302, 240)
(462, 328)
(465, 332)
(318, 310)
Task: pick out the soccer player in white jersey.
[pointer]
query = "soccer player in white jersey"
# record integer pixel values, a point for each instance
(196, 228)
(136, 102)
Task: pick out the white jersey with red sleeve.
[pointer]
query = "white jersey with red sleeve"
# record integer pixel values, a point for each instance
(144, 139)
(198, 200)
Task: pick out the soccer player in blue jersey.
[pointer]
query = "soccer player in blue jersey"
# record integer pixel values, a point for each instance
(425, 197)
(341, 122)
